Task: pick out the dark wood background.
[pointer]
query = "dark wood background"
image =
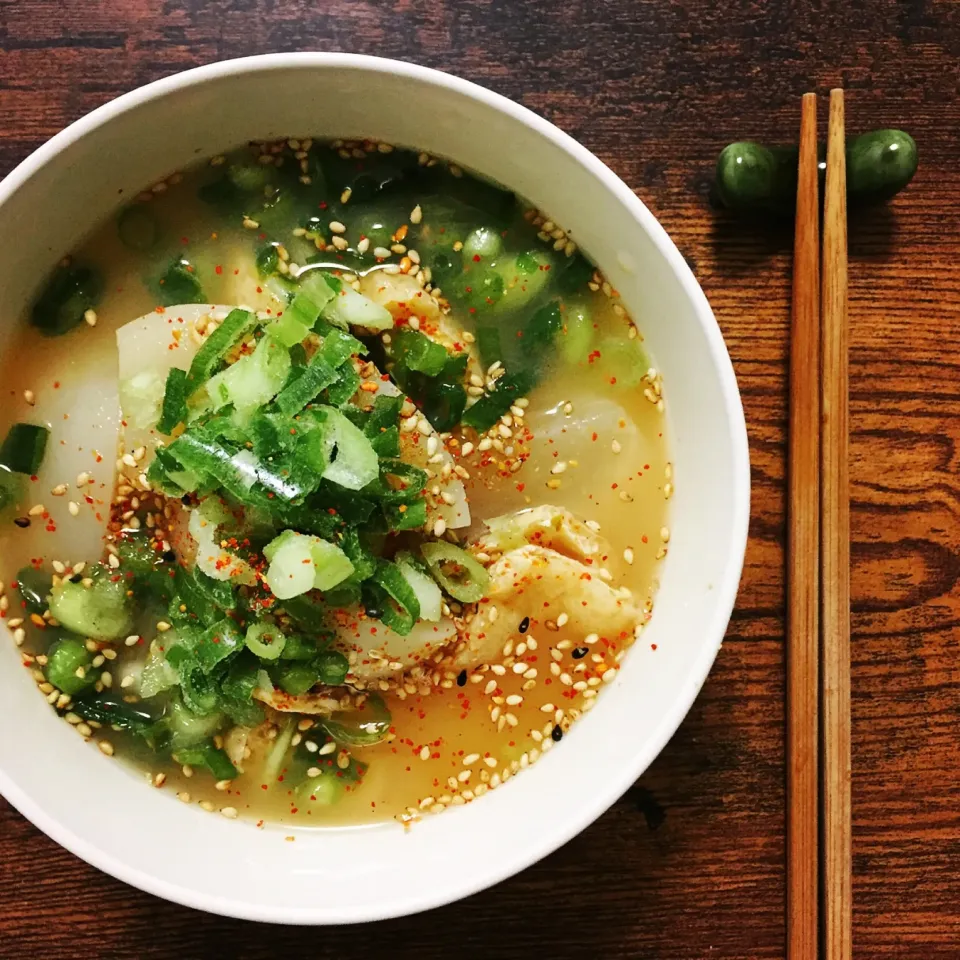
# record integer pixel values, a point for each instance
(690, 863)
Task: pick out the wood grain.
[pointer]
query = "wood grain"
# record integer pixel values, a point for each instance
(835, 548)
(803, 557)
(689, 865)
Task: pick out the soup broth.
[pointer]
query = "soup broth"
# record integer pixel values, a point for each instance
(524, 398)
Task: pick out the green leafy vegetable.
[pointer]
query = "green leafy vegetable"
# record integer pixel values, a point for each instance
(23, 448)
(69, 293)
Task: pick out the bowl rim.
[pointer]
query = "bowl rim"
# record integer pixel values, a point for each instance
(725, 590)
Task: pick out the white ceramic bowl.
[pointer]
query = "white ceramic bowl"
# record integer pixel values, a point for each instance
(98, 809)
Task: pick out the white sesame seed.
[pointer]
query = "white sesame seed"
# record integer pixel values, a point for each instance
(471, 759)
(90, 317)
(106, 747)
(337, 227)
(628, 555)
(439, 528)
(424, 753)
(29, 397)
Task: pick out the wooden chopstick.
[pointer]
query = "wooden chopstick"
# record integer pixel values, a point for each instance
(803, 566)
(835, 552)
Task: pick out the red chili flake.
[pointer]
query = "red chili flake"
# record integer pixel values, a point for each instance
(653, 646)
(476, 258)
(56, 384)
(643, 539)
(34, 477)
(613, 380)
(218, 269)
(593, 437)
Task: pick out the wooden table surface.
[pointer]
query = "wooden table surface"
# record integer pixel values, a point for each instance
(690, 863)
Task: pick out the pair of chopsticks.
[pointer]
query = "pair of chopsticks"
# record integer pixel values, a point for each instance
(818, 642)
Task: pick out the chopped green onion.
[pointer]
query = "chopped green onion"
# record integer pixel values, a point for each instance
(12, 487)
(197, 689)
(236, 691)
(332, 667)
(267, 259)
(68, 666)
(289, 329)
(266, 640)
(102, 611)
(317, 376)
(425, 587)
(351, 309)
(69, 293)
(325, 789)
(341, 392)
(400, 482)
(137, 228)
(354, 462)
(216, 643)
(457, 572)
(253, 381)
(299, 562)
(405, 516)
(179, 284)
(360, 726)
(24, 447)
(236, 325)
(33, 586)
(111, 713)
(418, 352)
(577, 336)
(319, 287)
(174, 410)
(296, 678)
(490, 408)
(543, 327)
(393, 597)
(208, 757)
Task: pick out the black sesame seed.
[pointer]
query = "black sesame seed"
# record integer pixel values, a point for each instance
(76, 578)
(169, 556)
(186, 500)
(22, 522)
(524, 625)
(580, 653)
(556, 734)
(462, 678)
